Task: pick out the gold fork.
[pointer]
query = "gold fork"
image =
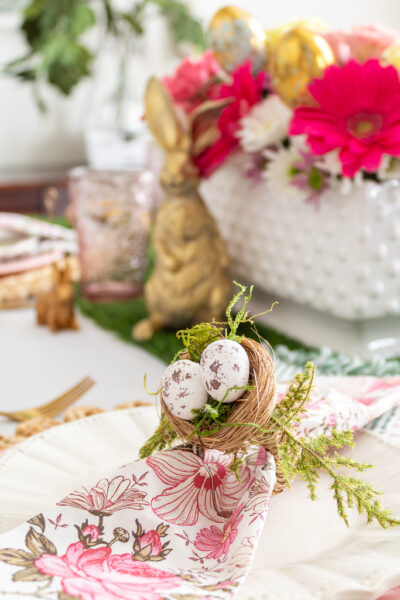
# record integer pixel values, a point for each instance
(54, 407)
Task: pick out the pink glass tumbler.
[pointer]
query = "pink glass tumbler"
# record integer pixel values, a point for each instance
(113, 213)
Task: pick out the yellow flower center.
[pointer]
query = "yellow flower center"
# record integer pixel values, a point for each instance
(364, 128)
(363, 125)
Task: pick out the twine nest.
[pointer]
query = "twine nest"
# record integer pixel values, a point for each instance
(255, 406)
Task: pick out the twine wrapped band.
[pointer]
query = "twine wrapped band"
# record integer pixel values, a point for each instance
(255, 407)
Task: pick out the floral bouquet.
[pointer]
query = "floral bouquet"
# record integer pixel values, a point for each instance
(310, 138)
(344, 129)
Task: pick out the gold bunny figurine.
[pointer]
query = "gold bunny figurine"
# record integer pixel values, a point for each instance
(190, 282)
(56, 308)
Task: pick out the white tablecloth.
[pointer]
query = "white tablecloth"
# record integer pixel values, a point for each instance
(37, 365)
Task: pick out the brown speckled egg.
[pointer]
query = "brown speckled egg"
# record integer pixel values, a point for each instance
(225, 364)
(183, 389)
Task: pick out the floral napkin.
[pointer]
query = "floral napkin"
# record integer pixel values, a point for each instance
(175, 526)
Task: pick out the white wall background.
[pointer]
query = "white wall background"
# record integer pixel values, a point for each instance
(29, 141)
(336, 13)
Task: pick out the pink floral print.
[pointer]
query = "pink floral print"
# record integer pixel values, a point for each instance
(216, 540)
(152, 539)
(92, 531)
(97, 574)
(259, 497)
(196, 485)
(106, 497)
(377, 387)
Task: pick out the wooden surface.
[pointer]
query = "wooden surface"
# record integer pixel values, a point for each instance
(40, 194)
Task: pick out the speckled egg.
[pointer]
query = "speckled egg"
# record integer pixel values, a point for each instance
(235, 37)
(183, 389)
(225, 364)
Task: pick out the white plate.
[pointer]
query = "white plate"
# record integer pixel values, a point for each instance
(306, 552)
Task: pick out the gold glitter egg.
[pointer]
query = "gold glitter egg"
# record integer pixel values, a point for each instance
(299, 56)
(235, 37)
(312, 24)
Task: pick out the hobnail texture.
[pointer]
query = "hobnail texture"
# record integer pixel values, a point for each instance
(342, 258)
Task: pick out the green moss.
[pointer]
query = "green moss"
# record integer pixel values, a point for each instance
(120, 317)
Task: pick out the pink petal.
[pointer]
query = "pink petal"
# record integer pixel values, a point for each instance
(74, 552)
(87, 589)
(93, 556)
(174, 467)
(178, 505)
(53, 565)
(372, 159)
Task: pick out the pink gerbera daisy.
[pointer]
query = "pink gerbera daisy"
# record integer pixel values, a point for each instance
(245, 90)
(358, 111)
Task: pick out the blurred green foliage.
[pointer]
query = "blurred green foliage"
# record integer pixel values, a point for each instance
(53, 31)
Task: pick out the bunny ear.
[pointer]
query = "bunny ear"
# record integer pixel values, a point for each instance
(160, 114)
(203, 124)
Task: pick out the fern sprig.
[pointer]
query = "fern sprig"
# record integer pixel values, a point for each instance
(289, 409)
(304, 458)
(243, 316)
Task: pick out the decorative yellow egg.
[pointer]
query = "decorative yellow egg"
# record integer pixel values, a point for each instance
(235, 37)
(298, 57)
(312, 24)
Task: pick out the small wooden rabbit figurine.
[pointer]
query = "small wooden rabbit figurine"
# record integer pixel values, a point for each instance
(190, 282)
(56, 308)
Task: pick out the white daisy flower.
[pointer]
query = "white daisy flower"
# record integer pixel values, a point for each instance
(390, 168)
(266, 124)
(330, 162)
(280, 171)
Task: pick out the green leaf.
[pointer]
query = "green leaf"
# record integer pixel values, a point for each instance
(134, 23)
(110, 19)
(52, 30)
(31, 25)
(81, 18)
(69, 66)
(185, 26)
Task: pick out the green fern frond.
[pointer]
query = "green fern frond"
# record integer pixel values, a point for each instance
(305, 458)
